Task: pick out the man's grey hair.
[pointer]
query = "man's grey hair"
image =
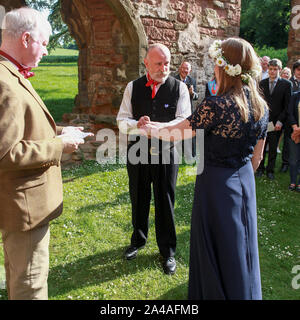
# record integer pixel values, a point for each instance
(21, 20)
(160, 46)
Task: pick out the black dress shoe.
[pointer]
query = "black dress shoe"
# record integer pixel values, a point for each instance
(169, 265)
(270, 176)
(131, 252)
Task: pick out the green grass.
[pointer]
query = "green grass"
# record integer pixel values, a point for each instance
(88, 240)
(57, 84)
(64, 52)
(60, 55)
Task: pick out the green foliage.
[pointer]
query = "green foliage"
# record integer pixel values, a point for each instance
(61, 35)
(265, 23)
(280, 54)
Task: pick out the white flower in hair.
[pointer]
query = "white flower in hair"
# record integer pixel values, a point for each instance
(216, 53)
(220, 62)
(215, 49)
(233, 70)
(238, 69)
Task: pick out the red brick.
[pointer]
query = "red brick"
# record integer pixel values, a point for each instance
(164, 24)
(147, 22)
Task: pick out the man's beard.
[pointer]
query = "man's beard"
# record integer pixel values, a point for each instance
(161, 77)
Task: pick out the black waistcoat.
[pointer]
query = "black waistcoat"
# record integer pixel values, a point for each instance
(163, 107)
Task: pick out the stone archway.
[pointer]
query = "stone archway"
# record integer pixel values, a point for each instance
(111, 48)
(112, 36)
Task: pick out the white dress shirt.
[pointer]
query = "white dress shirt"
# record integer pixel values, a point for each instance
(128, 125)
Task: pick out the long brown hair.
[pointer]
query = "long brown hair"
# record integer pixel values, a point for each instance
(239, 51)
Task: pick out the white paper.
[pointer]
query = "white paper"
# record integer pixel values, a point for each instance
(77, 134)
(271, 126)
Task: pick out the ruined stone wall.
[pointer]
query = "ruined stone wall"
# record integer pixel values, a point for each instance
(294, 34)
(113, 36)
(109, 55)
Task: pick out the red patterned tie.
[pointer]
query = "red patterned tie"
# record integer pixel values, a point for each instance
(152, 82)
(25, 71)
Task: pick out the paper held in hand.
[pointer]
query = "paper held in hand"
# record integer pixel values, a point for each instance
(77, 134)
(271, 127)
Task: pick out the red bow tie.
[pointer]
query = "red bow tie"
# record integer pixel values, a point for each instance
(25, 71)
(150, 83)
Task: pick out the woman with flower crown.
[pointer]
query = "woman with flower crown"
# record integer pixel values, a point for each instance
(224, 261)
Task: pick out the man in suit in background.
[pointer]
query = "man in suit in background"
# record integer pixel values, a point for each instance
(295, 79)
(30, 154)
(277, 93)
(184, 76)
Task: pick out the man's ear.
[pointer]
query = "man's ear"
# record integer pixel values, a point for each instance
(146, 63)
(25, 39)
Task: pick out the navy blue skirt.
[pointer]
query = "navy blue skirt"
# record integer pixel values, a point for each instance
(224, 261)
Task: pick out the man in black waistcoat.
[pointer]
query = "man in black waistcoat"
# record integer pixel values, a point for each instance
(161, 98)
(277, 92)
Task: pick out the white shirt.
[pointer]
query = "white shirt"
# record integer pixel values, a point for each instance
(125, 120)
(265, 74)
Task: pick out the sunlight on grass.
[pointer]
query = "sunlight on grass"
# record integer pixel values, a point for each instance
(89, 238)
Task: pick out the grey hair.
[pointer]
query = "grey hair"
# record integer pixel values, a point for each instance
(160, 46)
(21, 20)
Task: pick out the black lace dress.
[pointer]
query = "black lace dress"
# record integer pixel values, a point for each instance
(224, 262)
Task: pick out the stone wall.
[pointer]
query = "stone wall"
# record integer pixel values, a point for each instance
(294, 34)
(113, 36)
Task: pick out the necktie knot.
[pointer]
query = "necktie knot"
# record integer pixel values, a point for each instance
(150, 83)
(25, 71)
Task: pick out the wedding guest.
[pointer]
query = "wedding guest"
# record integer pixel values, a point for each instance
(224, 261)
(294, 141)
(286, 73)
(265, 67)
(157, 97)
(185, 70)
(30, 155)
(211, 88)
(277, 92)
(295, 79)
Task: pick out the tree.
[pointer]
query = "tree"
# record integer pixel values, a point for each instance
(61, 35)
(265, 23)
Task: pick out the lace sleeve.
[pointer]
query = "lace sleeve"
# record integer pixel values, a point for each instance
(264, 125)
(204, 116)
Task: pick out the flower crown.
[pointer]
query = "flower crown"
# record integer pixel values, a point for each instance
(216, 53)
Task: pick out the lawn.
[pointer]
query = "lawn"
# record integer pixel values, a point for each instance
(88, 240)
(57, 84)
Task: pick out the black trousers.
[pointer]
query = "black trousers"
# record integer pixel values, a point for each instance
(272, 140)
(163, 177)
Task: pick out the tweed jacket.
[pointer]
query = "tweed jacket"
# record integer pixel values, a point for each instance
(30, 153)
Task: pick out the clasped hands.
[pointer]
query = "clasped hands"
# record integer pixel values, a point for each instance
(147, 127)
